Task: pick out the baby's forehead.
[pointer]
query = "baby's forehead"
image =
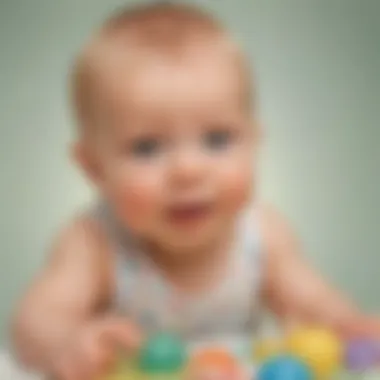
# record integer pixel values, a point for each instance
(207, 60)
(167, 43)
(192, 82)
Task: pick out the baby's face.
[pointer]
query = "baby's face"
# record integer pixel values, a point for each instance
(176, 153)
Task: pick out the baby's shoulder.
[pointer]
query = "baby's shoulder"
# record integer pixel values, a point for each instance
(78, 259)
(81, 237)
(272, 225)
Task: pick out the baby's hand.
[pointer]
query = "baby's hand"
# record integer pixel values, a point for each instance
(361, 327)
(93, 351)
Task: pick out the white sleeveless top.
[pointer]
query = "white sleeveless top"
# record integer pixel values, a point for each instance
(229, 313)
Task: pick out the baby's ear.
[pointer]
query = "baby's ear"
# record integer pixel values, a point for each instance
(85, 157)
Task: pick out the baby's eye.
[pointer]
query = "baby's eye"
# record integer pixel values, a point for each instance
(218, 139)
(146, 147)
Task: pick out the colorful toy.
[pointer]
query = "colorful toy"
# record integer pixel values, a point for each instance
(213, 357)
(306, 353)
(162, 353)
(214, 364)
(318, 347)
(361, 355)
(285, 368)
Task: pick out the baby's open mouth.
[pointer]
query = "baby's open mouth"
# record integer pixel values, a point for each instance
(189, 213)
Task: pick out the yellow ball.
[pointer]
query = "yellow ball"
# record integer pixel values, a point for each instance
(267, 348)
(318, 347)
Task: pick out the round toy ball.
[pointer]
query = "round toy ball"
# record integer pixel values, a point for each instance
(285, 368)
(318, 347)
(162, 353)
(212, 361)
(361, 355)
(267, 348)
(213, 357)
(214, 364)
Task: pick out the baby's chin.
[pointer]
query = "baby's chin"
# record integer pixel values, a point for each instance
(181, 244)
(189, 243)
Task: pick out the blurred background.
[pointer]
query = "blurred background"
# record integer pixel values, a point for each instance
(318, 72)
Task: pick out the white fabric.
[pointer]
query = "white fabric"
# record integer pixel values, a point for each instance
(229, 312)
(9, 370)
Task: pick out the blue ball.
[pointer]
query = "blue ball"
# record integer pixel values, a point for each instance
(285, 368)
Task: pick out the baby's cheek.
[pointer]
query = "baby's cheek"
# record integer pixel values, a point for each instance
(237, 186)
(139, 202)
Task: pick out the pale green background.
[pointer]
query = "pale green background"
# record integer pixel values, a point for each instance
(318, 65)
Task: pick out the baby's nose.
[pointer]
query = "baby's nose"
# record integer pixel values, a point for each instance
(188, 167)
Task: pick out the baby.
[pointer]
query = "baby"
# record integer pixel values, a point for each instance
(179, 241)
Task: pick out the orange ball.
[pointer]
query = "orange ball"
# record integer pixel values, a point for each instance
(214, 357)
(214, 363)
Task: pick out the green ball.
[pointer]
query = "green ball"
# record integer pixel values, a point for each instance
(162, 353)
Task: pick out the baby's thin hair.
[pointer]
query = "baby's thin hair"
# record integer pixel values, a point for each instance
(164, 23)
(162, 27)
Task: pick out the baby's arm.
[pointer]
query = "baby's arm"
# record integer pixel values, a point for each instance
(296, 292)
(66, 299)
